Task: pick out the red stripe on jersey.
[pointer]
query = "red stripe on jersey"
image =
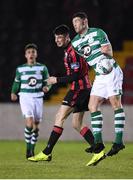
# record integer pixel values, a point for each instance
(66, 66)
(81, 84)
(87, 82)
(76, 70)
(73, 53)
(71, 58)
(73, 85)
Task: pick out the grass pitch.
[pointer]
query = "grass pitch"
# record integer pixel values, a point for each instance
(69, 159)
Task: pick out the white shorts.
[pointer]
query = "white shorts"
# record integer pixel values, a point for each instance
(31, 107)
(108, 85)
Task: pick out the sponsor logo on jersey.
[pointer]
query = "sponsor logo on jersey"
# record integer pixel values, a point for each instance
(75, 65)
(85, 50)
(32, 81)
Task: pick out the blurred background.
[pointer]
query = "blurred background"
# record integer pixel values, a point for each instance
(25, 21)
(33, 21)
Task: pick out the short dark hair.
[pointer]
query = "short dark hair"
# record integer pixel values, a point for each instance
(61, 29)
(31, 45)
(82, 15)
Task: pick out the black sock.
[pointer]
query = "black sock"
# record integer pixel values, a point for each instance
(55, 134)
(87, 135)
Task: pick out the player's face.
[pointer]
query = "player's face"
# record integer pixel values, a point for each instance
(60, 40)
(31, 55)
(80, 25)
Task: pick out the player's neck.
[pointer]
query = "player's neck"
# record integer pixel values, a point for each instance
(67, 44)
(84, 31)
(31, 63)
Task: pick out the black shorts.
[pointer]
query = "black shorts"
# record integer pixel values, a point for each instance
(77, 99)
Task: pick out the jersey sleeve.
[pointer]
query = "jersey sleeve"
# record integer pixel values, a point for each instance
(46, 76)
(16, 83)
(103, 38)
(68, 78)
(73, 69)
(45, 73)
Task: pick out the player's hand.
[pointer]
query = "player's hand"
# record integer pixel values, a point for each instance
(51, 80)
(45, 89)
(14, 97)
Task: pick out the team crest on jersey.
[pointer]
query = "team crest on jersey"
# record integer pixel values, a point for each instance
(75, 65)
(90, 40)
(32, 81)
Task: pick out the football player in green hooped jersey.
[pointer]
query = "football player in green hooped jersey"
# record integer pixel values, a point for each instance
(29, 83)
(93, 44)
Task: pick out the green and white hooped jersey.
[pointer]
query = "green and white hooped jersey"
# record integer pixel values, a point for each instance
(89, 44)
(31, 79)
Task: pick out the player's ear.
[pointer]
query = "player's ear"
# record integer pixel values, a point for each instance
(36, 54)
(67, 36)
(25, 55)
(85, 21)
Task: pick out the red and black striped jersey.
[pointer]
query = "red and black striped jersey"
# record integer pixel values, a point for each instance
(76, 70)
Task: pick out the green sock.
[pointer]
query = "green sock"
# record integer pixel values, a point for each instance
(96, 122)
(34, 138)
(119, 125)
(32, 147)
(28, 135)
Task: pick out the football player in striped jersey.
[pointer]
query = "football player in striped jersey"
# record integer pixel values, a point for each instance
(93, 44)
(30, 85)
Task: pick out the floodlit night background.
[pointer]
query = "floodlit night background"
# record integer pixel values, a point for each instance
(26, 21)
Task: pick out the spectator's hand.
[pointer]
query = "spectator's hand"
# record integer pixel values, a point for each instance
(45, 89)
(51, 80)
(14, 97)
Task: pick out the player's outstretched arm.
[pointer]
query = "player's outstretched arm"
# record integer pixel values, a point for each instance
(51, 80)
(45, 89)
